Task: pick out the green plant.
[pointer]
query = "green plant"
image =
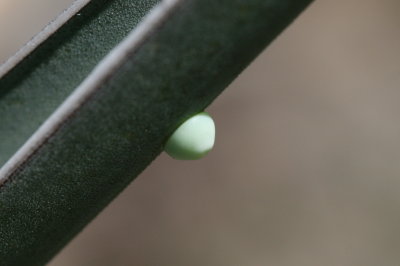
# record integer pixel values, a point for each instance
(106, 100)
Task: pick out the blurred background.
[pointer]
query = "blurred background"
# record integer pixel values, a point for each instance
(306, 168)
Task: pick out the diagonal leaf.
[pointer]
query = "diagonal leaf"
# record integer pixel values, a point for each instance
(172, 65)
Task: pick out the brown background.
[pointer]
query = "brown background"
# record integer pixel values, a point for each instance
(306, 165)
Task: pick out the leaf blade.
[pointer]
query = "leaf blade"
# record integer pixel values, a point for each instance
(176, 71)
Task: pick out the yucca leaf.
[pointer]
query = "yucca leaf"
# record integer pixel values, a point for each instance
(100, 127)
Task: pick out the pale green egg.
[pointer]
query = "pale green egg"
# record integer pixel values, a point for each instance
(193, 139)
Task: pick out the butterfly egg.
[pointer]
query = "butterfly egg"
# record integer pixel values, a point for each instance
(193, 139)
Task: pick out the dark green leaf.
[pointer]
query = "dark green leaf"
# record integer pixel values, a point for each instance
(116, 122)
